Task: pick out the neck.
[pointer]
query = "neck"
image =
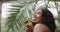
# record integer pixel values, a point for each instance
(36, 23)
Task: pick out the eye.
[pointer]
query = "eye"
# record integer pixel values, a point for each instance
(38, 13)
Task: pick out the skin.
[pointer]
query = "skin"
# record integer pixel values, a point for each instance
(39, 27)
(37, 17)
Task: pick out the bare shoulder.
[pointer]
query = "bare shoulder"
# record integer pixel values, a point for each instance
(41, 28)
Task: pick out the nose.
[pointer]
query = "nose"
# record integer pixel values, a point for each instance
(34, 16)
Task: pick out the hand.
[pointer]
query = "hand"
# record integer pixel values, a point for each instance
(28, 28)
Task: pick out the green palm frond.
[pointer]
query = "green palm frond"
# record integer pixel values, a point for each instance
(19, 11)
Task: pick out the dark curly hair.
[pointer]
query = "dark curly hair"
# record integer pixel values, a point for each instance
(48, 19)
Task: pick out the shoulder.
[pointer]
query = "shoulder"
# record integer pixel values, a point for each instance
(41, 27)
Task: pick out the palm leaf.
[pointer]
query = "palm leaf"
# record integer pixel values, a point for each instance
(19, 11)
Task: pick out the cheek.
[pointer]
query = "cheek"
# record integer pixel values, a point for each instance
(38, 16)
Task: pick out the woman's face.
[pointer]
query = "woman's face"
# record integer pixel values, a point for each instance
(37, 16)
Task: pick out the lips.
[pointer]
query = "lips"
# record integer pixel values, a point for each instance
(33, 19)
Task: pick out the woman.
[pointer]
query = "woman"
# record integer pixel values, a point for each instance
(42, 20)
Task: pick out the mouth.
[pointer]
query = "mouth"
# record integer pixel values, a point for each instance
(33, 19)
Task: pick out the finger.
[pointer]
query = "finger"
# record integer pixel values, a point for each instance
(25, 22)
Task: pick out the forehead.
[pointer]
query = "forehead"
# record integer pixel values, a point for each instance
(38, 11)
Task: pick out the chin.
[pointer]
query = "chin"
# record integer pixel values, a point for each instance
(34, 22)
